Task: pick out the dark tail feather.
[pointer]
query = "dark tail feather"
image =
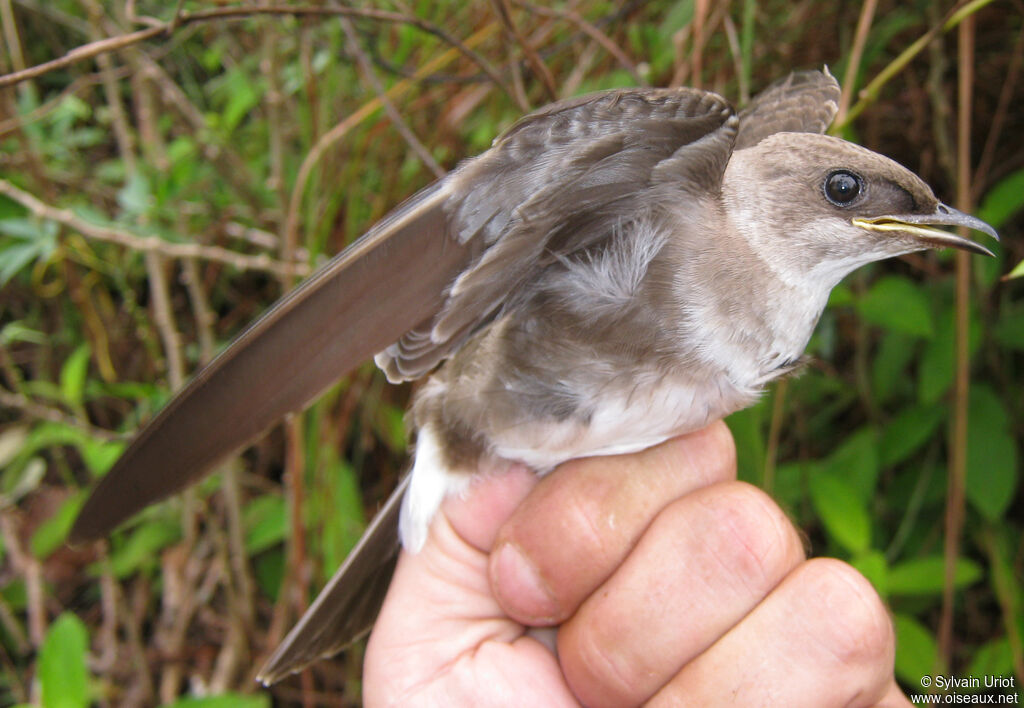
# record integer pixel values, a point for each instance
(347, 607)
(366, 298)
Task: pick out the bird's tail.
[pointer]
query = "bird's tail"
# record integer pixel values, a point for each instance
(346, 608)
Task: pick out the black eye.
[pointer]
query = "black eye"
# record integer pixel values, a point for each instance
(842, 187)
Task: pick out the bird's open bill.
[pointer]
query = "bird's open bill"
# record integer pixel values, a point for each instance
(922, 228)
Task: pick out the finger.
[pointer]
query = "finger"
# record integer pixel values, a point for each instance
(581, 521)
(821, 638)
(477, 515)
(706, 561)
(439, 604)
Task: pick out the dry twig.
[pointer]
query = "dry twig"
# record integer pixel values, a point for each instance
(144, 244)
(184, 17)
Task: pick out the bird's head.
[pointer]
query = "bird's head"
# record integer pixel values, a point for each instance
(831, 206)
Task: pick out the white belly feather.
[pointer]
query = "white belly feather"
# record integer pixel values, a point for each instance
(623, 421)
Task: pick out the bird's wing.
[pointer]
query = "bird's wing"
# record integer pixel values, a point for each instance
(599, 152)
(356, 305)
(803, 102)
(429, 274)
(557, 182)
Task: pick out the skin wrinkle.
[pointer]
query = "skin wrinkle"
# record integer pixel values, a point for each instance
(602, 639)
(734, 512)
(600, 662)
(861, 631)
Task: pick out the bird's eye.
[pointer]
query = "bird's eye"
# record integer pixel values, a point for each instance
(843, 187)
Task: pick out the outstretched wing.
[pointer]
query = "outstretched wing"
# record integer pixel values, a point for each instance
(356, 305)
(428, 275)
(803, 102)
(557, 182)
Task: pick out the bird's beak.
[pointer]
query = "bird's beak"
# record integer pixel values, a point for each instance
(921, 228)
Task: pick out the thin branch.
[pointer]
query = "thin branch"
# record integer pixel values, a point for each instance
(82, 82)
(860, 39)
(591, 31)
(955, 496)
(28, 567)
(11, 35)
(86, 51)
(184, 17)
(38, 411)
(328, 139)
(389, 107)
(535, 62)
(163, 316)
(988, 153)
(144, 244)
(771, 454)
(871, 92)
(118, 119)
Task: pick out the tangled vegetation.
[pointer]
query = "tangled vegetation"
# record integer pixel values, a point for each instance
(168, 170)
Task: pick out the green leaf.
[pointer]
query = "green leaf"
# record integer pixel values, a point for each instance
(242, 98)
(925, 576)
(789, 489)
(225, 700)
(266, 522)
(23, 229)
(917, 653)
(30, 239)
(873, 566)
(143, 546)
(856, 462)
(73, 373)
(994, 658)
(747, 430)
(889, 366)
(100, 455)
(991, 455)
(1003, 201)
(343, 523)
(896, 304)
(908, 431)
(841, 510)
(269, 570)
(51, 534)
(935, 373)
(136, 197)
(20, 480)
(20, 332)
(1009, 329)
(841, 296)
(391, 426)
(63, 678)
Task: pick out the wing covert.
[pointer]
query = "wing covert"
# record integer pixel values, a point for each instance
(557, 181)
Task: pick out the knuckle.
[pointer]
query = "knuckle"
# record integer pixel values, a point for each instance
(593, 664)
(724, 445)
(748, 534)
(857, 628)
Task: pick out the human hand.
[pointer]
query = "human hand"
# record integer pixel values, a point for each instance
(671, 582)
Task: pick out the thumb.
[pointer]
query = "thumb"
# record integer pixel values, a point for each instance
(477, 514)
(441, 597)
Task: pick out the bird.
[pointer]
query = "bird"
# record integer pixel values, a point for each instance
(617, 269)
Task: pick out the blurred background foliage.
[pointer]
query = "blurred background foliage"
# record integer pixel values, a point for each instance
(157, 197)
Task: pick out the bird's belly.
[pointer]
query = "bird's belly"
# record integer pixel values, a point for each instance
(616, 420)
(622, 421)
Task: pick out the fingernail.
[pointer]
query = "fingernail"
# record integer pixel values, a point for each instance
(520, 589)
